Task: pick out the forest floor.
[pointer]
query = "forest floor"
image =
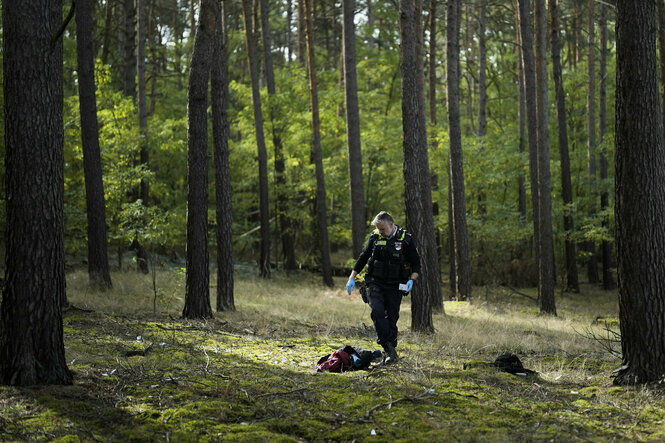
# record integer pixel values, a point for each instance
(142, 373)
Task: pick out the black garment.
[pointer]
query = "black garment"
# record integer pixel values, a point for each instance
(390, 261)
(385, 301)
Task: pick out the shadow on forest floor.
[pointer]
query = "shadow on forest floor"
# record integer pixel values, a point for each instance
(251, 378)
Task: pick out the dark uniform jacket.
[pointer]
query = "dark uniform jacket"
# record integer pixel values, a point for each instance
(390, 261)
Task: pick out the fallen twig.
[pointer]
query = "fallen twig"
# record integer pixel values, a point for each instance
(389, 404)
(270, 394)
(506, 285)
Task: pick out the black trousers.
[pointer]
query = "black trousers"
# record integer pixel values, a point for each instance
(385, 302)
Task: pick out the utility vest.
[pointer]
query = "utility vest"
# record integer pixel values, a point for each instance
(388, 263)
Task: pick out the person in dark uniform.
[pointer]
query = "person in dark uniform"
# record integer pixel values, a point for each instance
(393, 264)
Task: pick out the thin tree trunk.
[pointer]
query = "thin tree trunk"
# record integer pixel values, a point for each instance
(285, 221)
(128, 30)
(357, 193)
(606, 247)
(546, 239)
(458, 205)
(98, 263)
(321, 217)
(592, 264)
(528, 64)
(431, 91)
(301, 32)
(482, 70)
(370, 25)
(220, 128)
(521, 122)
(197, 281)
(640, 196)
(250, 33)
(107, 33)
(417, 187)
(660, 8)
(32, 348)
(143, 106)
(572, 281)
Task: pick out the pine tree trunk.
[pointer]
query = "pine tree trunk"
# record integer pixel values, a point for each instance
(317, 157)
(197, 281)
(640, 196)
(660, 8)
(285, 221)
(606, 247)
(142, 95)
(31, 334)
(301, 32)
(546, 239)
(250, 34)
(482, 70)
(98, 263)
(528, 64)
(521, 123)
(220, 128)
(572, 281)
(462, 275)
(592, 264)
(128, 31)
(357, 193)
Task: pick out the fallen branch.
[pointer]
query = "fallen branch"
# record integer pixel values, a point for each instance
(270, 394)
(390, 404)
(519, 293)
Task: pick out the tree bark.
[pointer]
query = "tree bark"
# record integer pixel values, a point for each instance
(546, 239)
(220, 128)
(462, 273)
(417, 187)
(128, 30)
(357, 193)
(528, 64)
(31, 334)
(321, 217)
(592, 264)
(640, 196)
(606, 247)
(98, 262)
(660, 8)
(142, 96)
(250, 34)
(285, 221)
(482, 69)
(572, 281)
(197, 280)
(521, 122)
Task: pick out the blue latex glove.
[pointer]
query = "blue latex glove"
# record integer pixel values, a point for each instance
(350, 285)
(409, 286)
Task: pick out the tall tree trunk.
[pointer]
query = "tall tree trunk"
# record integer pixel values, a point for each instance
(289, 34)
(482, 70)
(640, 196)
(285, 221)
(437, 301)
(546, 239)
(220, 128)
(572, 281)
(301, 32)
(106, 42)
(606, 247)
(457, 198)
(142, 96)
(417, 187)
(197, 281)
(521, 121)
(32, 349)
(592, 264)
(528, 64)
(98, 262)
(370, 25)
(660, 8)
(250, 33)
(317, 157)
(128, 30)
(357, 193)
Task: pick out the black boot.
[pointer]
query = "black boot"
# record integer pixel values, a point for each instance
(391, 355)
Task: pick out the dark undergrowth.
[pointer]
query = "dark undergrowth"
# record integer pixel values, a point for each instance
(156, 377)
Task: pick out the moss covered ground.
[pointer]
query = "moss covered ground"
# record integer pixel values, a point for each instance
(144, 375)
